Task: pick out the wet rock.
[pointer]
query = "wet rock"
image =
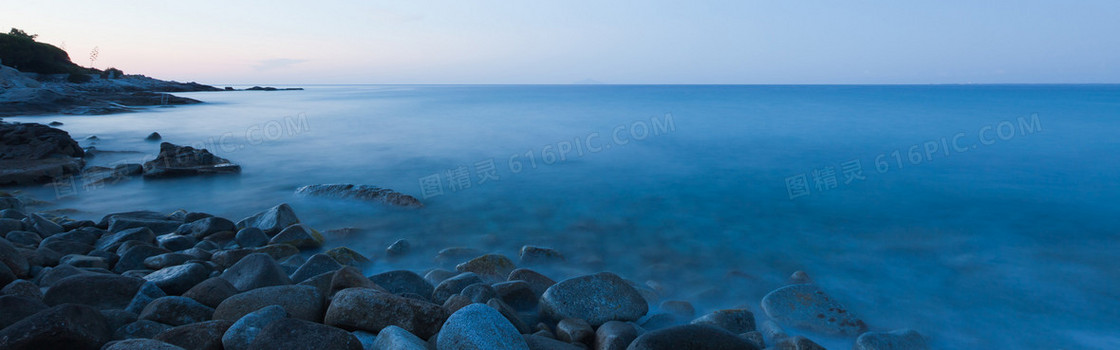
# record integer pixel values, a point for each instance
(370, 310)
(510, 314)
(148, 291)
(537, 282)
(15, 308)
(140, 329)
(396, 338)
(175, 161)
(255, 271)
(303, 335)
(45, 227)
(662, 320)
(201, 336)
(175, 242)
(155, 136)
(435, 276)
(29, 152)
(67, 326)
(302, 302)
(157, 226)
(615, 335)
(403, 281)
(807, 306)
(178, 279)
(251, 237)
(698, 337)
(111, 242)
(454, 285)
(532, 255)
(6, 275)
(733, 320)
(8, 226)
(574, 330)
(755, 337)
(796, 343)
(99, 291)
(361, 192)
(13, 259)
(245, 330)
(211, 292)
(140, 344)
(491, 267)
(477, 326)
(65, 247)
(176, 311)
(449, 257)
(133, 257)
(351, 277)
(595, 298)
(678, 308)
(518, 294)
(22, 288)
(347, 256)
(479, 292)
(398, 249)
(164, 260)
(298, 236)
(539, 342)
(271, 221)
(226, 258)
(365, 338)
(204, 227)
(902, 339)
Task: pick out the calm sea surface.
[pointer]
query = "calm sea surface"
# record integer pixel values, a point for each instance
(982, 216)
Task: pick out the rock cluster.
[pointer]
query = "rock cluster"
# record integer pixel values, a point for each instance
(34, 153)
(147, 280)
(175, 161)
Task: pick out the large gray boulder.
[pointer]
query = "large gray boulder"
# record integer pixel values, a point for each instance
(361, 192)
(479, 327)
(67, 326)
(371, 310)
(271, 221)
(808, 307)
(176, 161)
(594, 298)
(303, 302)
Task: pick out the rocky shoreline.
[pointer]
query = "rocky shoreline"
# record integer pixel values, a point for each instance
(190, 280)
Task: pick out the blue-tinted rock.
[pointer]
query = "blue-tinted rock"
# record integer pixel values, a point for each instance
(902, 339)
(271, 221)
(293, 334)
(733, 320)
(694, 337)
(175, 280)
(594, 298)
(303, 302)
(251, 237)
(808, 307)
(140, 329)
(393, 337)
(371, 310)
(211, 292)
(454, 285)
(298, 236)
(480, 327)
(148, 291)
(241, 334)
(403, 281)
(176, 311)
(140, 344)
(316, 265)
(201, 336)
(255, 271)
(69, 326)
(101, 291)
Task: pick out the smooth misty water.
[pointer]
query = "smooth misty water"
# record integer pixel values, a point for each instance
(1004, 245)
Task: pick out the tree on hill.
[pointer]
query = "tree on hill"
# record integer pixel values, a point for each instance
(19, 50)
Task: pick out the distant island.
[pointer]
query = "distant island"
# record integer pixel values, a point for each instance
(39, 78)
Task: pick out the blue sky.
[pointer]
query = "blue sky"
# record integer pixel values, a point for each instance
(701, 42)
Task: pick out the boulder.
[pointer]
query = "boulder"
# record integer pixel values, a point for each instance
(140, 344)
(251, 237)
(255, 271)
(454, 285)
(736, 321)
(403, 281)
(480, 327)
(241, 334)
(34, 153)
(176, 161)
(13, 259)
(491, 267)
(302, 302)
(347, 256)
(808, 307)
(371, 310)
(140, 329)
(22, 288)
(695, 337)
(316, 265)
(101, 291)
(15, 308)
(176, 311)
(298, 236)
(361, 192)
(396, 338)
(298, 334)
(175, 280)
(615, 335)
(538, 283)
(196, 336)
(68, 326)
(211, 292)
(204, 227)
(532, 255)
(595, 298)
(148, 291)
(902, 339)
(113, 241)
(271, 221)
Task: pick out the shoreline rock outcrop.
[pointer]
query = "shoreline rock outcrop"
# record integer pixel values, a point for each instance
(361, 192)
(33, 153)
(176, 161)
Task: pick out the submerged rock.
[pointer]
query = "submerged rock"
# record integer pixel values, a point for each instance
(361, 192)
(903, 339)
(174, 161)
(808, 307)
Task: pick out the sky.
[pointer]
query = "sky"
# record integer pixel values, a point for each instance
(573, 41)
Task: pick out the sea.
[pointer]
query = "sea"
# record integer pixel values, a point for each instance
(982, 216)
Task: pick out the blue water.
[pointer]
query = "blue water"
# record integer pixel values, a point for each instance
(1006, 238)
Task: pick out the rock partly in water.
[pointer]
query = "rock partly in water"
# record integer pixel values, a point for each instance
(736, 321)
(480, 327)
(154, 136)
(595, 298)
(361, 192)
(371, 310)
(902, 339)
(808, 307)
(694, 337)
(175, 161)
(271, 221)
(34, 153)
(241, 334)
